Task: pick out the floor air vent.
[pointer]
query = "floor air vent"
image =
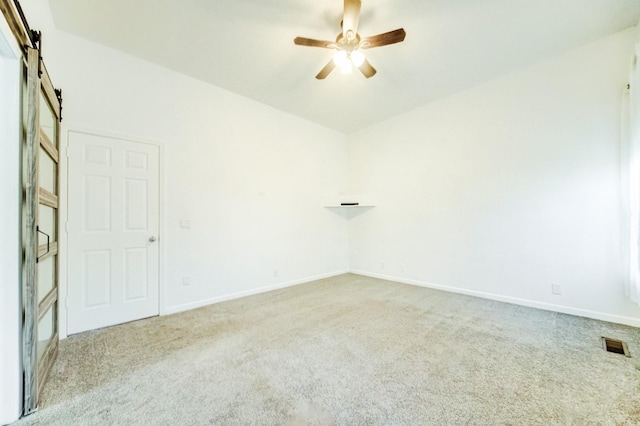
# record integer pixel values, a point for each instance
(615, 346)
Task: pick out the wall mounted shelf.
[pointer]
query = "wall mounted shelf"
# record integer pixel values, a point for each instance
(349, 201)
(349, 206)
(340, 206)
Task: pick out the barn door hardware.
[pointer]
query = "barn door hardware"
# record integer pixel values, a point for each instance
(59, 96)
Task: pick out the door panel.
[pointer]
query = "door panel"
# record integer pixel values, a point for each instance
(48, 120)
(136, 205)
(136, 276)
(47, 224)
(96, 279)
(46, 277)
(96, 206)
(47, 328)
(47, 172)
(113, 214)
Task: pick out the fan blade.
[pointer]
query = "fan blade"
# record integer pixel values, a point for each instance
(367, 69)
(324, 72)
(395, 36)
(351, 16)
(302, 41)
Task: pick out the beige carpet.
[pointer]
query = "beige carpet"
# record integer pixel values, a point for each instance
(348, 350)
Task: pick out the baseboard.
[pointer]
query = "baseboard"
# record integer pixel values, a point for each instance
(205, 302)
(618, 319)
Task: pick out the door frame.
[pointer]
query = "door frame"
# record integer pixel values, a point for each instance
(64, 218)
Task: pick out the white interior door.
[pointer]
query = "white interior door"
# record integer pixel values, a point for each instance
(113, 231)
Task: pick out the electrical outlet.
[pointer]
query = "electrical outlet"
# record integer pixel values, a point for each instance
(381, 265)
(186, 281)
(556, 289)
(402, 268)
(275, 273)
(185, 224)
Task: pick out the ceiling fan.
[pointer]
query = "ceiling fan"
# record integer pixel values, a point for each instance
(348, 44)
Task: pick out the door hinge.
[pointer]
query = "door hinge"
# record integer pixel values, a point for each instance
(66, 227)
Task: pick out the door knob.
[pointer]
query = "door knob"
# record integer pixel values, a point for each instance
(152, 239)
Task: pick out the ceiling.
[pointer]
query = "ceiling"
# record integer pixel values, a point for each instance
(246, 46)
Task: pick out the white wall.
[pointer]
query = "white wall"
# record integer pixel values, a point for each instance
(505, 188)
(10, 245)
(249, 178)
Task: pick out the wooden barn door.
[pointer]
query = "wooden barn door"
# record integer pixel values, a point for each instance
(41, 112)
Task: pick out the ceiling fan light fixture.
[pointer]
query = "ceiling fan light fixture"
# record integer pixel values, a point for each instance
(341, 58)
(357, 58)
(347, 68)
